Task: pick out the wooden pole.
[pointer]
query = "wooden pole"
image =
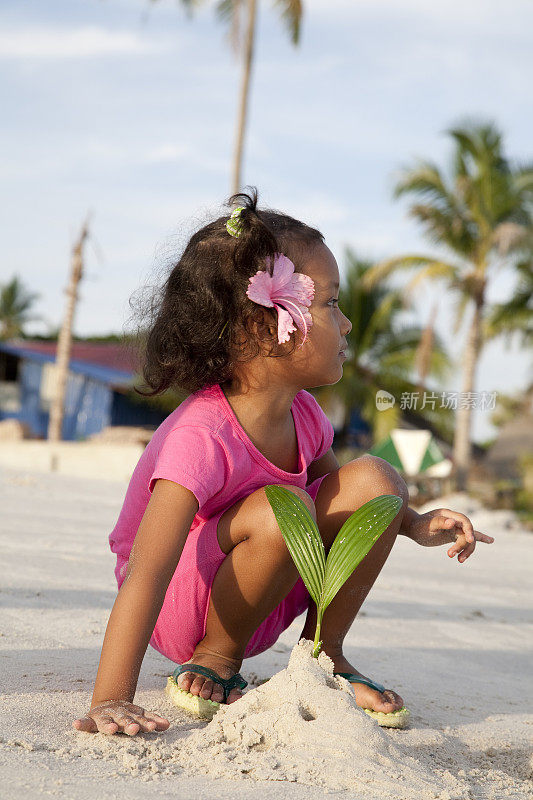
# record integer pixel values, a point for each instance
(64, 342)
(243, 100)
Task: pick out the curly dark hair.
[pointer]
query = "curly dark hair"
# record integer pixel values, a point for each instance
(202, 324)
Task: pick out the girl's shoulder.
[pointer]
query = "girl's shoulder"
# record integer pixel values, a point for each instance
(309, 405)
(200, 410)
(306, 399)
(187, 448)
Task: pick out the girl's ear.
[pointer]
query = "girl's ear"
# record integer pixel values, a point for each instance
(262, 323)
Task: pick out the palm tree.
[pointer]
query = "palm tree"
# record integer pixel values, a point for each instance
(382, 353)
(425, 349)
(229, 11)
(15, 304)
(516, 315)
(482, 215)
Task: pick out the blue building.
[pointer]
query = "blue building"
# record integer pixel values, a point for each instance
(99, 381)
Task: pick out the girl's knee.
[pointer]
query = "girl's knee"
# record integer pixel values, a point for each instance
(300, 493)
(383, 477)
(252, 517)
(272, 529)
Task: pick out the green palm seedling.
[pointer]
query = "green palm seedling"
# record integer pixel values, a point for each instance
(323, 576)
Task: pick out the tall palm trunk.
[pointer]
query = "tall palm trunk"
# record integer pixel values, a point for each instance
(462, 439)
(64, 342)
(425, 350)
(243, 103)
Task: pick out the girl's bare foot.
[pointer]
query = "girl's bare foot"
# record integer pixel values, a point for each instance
(365, 697)
(204, 687)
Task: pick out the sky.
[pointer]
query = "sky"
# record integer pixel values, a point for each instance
(126, 109)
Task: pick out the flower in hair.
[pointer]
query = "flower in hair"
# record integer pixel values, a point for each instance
(288, 291)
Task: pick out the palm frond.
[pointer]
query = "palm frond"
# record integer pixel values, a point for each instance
(512, 236)
(447, 227)
(516, 315)
(474, 138)
(440, 362)
(382, 318)
(523, 179)
(291, 14)
(229, 13)
(426, 181)
(189, 5)
(383, 269)
(438, 270)
(227, 9)
(461, 304)
(15, 307)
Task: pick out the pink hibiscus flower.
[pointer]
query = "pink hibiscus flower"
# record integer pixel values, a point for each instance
(289, 292)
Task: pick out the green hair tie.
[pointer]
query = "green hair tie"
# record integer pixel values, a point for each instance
(234, 225)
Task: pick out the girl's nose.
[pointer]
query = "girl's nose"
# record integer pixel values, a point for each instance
(347, 325)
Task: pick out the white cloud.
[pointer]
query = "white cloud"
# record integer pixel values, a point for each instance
(167, 152)
(138, 153)
(321, 210)
(68, 43)
(102, 156)
(476, 12)
(161, 153)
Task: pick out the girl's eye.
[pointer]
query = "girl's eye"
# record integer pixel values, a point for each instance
(334, 300)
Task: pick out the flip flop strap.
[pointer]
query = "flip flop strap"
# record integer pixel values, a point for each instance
(350, 676)
(236, 681)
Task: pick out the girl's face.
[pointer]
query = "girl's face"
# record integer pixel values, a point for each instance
(320, 359)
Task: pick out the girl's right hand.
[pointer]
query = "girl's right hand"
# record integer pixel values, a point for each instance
(120, 716)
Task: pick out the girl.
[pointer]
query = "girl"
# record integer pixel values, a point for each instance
(248, 321)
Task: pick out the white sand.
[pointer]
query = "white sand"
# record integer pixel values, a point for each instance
(454, 640)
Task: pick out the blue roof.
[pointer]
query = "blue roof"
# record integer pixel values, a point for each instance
(107, 375)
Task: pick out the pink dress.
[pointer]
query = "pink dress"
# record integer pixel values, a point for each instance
(202, 446)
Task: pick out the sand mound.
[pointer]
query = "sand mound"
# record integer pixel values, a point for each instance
(304, 725)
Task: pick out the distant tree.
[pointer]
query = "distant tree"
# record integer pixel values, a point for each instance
(229, 11)
(482, 215)
(515, 317)
(16, 302)
(510, 406)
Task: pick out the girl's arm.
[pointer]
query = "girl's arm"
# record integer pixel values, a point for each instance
(154, 557)
(410, 517)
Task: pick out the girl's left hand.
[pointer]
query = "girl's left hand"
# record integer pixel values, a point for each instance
(442, 526)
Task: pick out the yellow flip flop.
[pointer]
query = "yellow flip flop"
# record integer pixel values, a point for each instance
(199, 706)
(392, 719)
